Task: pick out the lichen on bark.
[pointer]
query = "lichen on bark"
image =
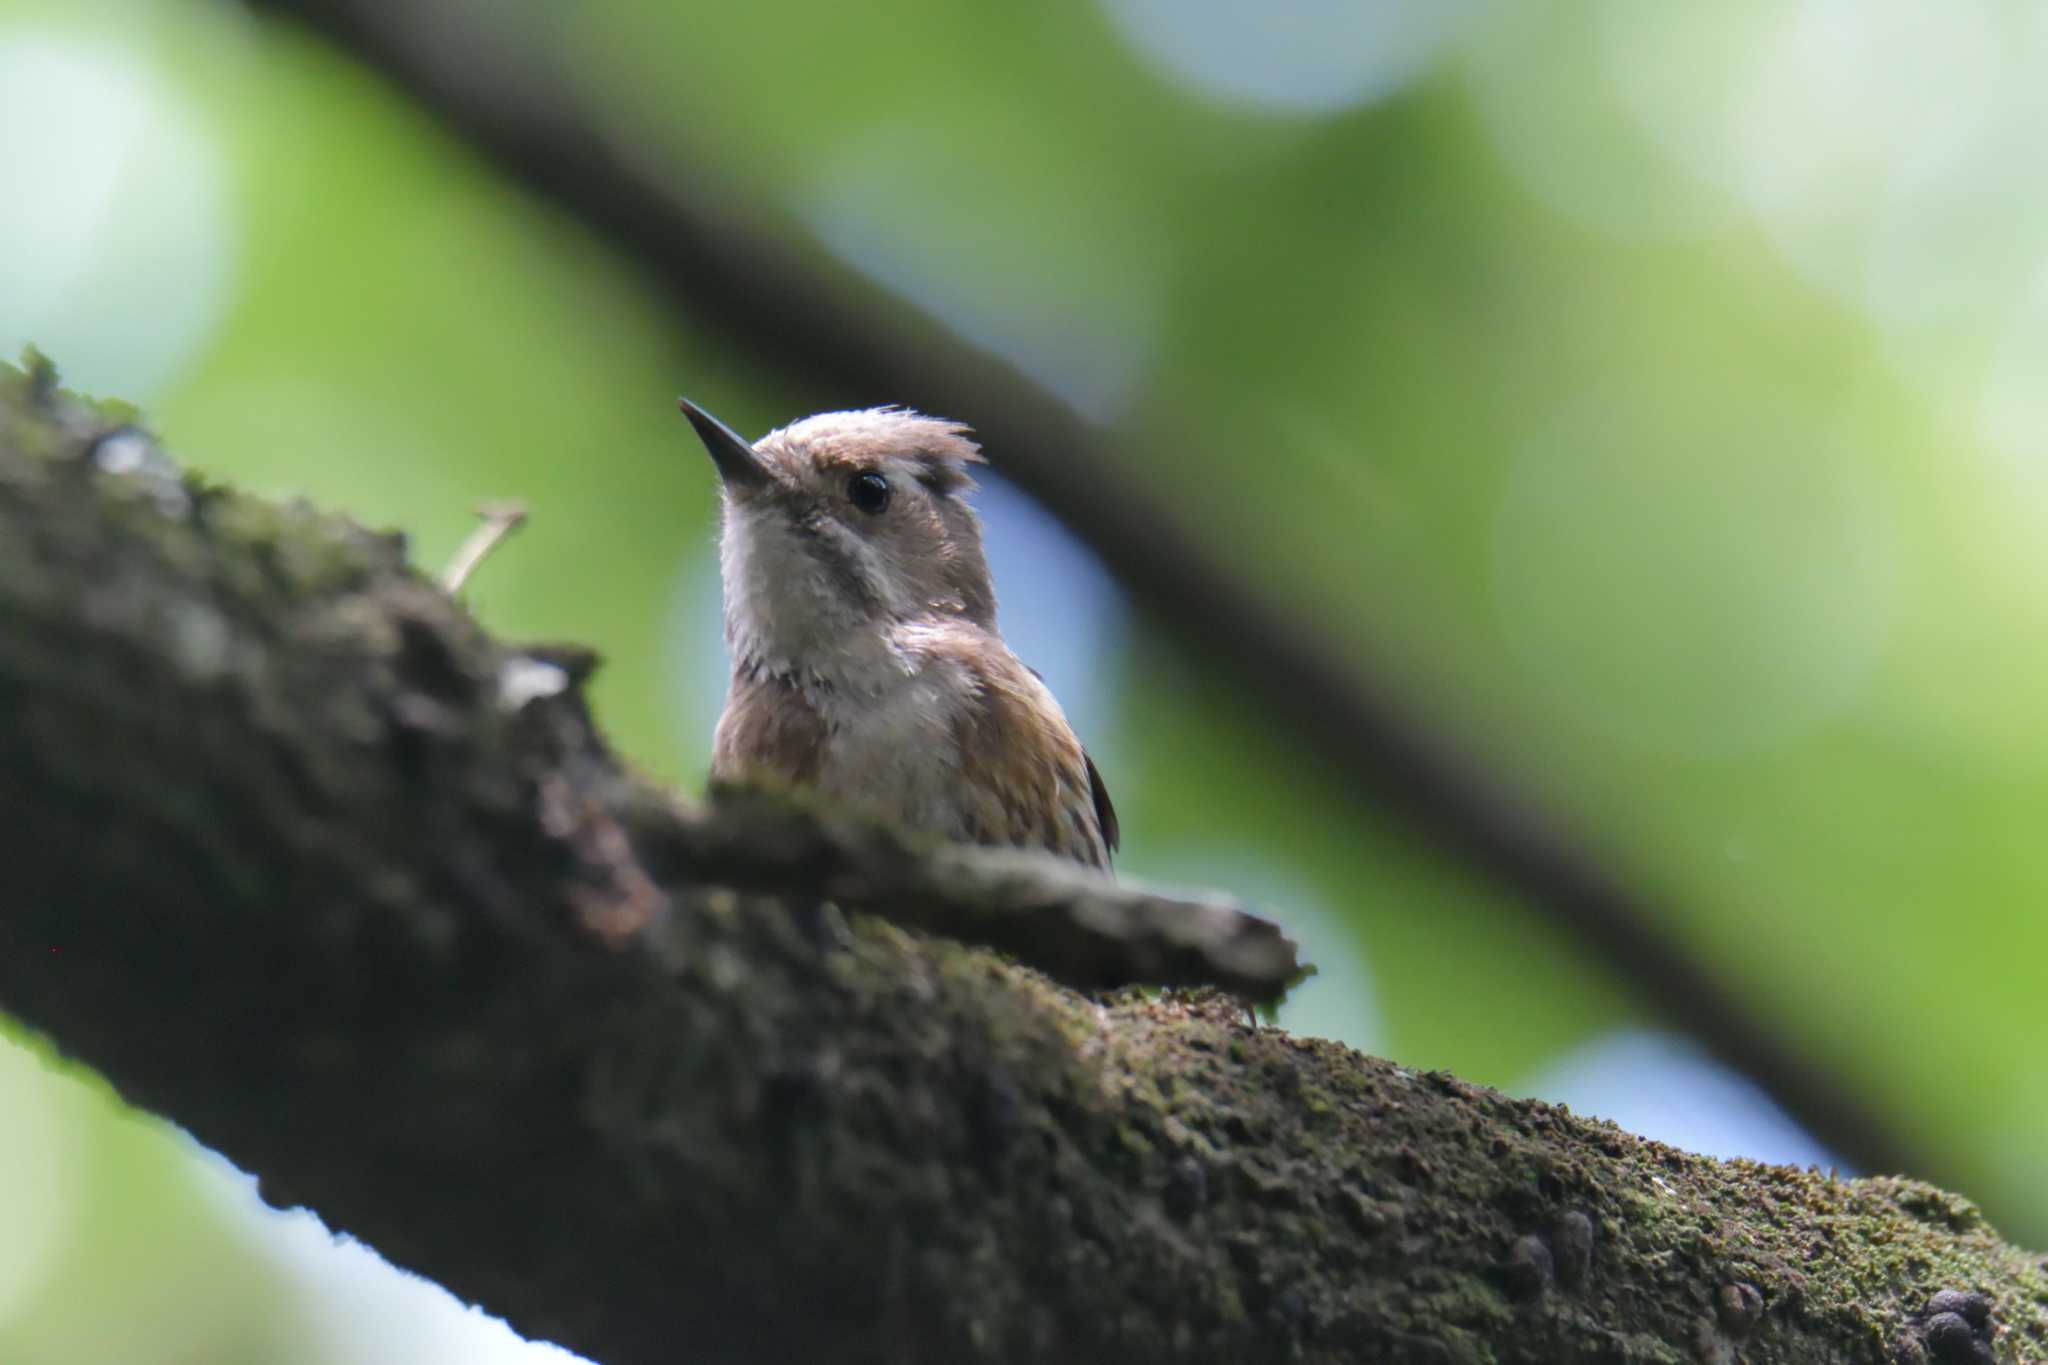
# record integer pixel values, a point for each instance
(429, 960)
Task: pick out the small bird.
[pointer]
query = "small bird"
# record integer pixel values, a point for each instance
(866, 663)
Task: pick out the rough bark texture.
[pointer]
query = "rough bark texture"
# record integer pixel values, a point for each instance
(289, 862)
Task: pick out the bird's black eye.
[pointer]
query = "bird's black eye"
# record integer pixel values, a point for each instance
(869, 492)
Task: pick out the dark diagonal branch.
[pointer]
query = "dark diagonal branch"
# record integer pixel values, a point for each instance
(298, 858)
(732, 269)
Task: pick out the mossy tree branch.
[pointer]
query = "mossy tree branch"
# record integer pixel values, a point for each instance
(298, 857)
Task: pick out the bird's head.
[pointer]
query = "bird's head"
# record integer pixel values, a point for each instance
(845, 524)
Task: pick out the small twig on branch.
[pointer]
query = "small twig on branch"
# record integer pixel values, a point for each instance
(497, 521)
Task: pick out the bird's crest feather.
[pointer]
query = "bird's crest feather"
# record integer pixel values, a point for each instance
(940, 448)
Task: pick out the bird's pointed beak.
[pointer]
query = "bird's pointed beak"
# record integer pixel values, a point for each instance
(737, 463)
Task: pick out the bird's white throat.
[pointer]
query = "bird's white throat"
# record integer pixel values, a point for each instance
(787, 615)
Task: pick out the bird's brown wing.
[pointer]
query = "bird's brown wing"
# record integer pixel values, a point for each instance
(1027, 782)
(1098, 791)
